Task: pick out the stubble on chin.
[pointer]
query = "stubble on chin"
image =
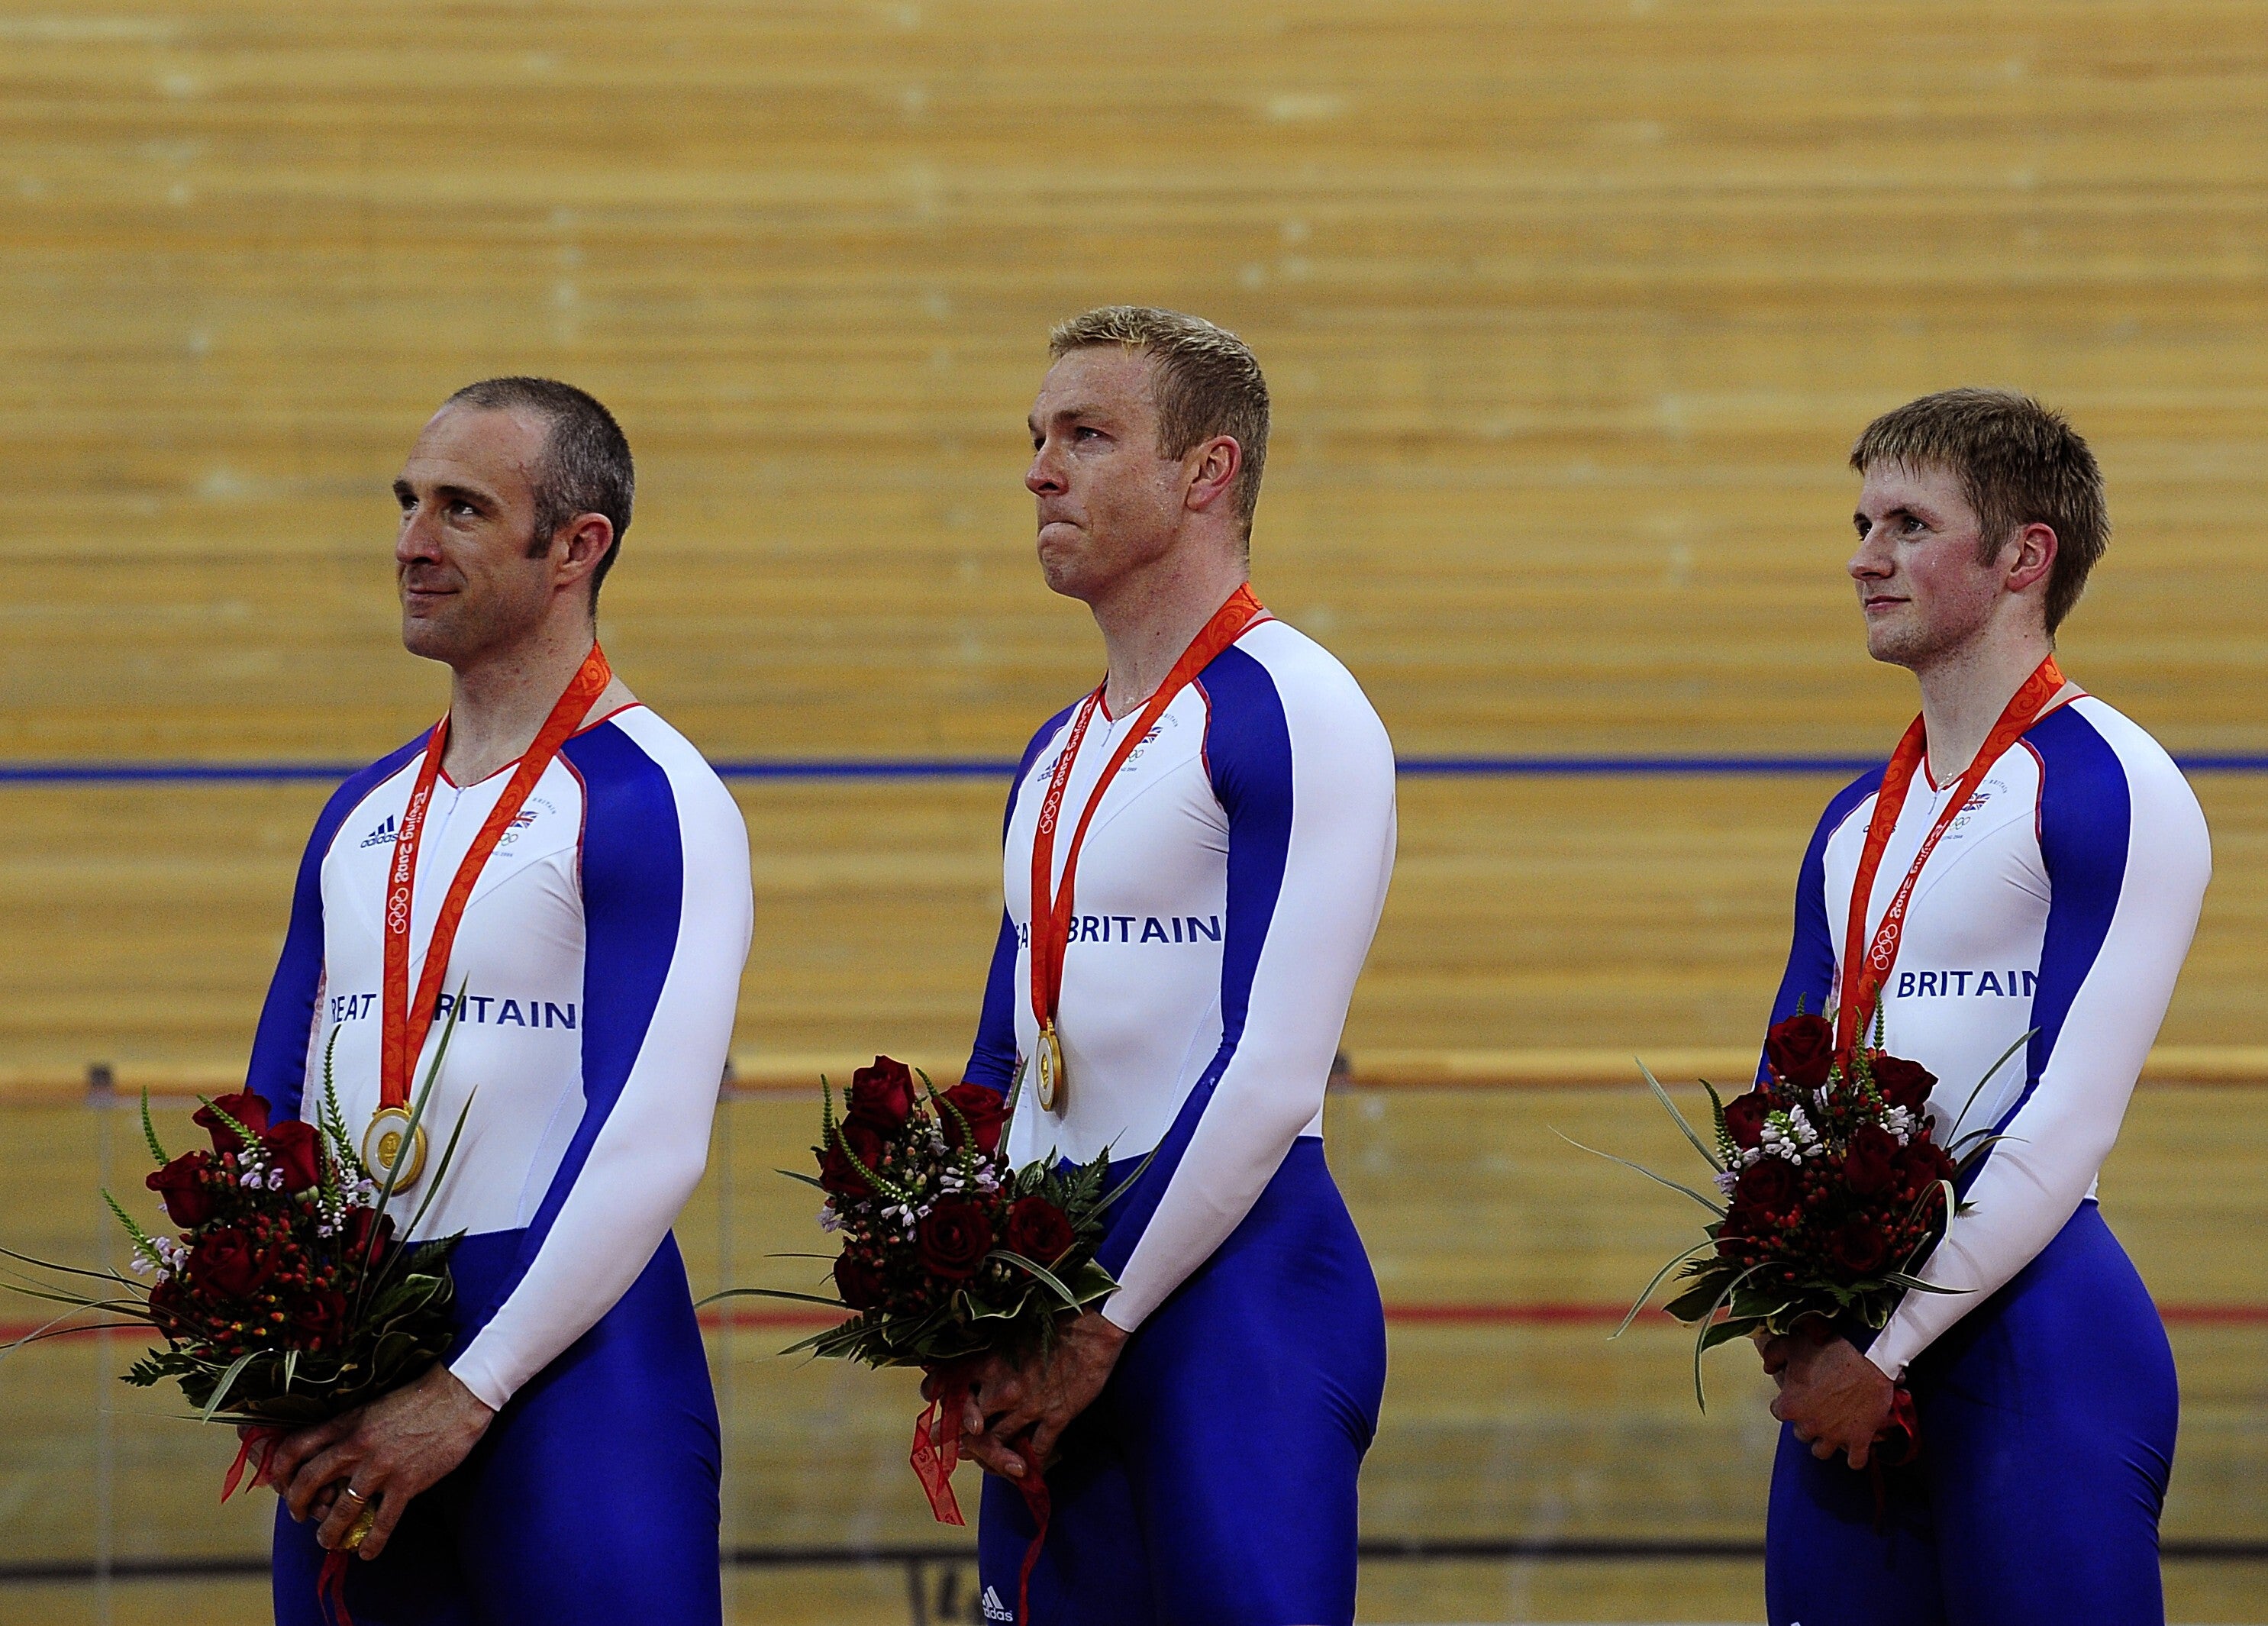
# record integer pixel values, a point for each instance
(444, 635)
(1059, 568)
(1894, 646)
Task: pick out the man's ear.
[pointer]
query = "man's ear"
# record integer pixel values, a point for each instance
(1213, 467)
(2031, 558)
(578, 546)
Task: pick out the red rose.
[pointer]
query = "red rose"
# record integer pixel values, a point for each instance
(182, 1183)
(986, 1110)
(1867, 1162)
(1770, 1186)
(297, 1150)
(858, 1280)
(1921, 1164)
(363, 1225)
(168, 1309)
(1801, 1049)
(246, 1108)
(1858, 1248)
(882, 1094)
(321, 1321)
(1040, 1231)
(224, 1263)
(836, 1173)
(1902, 1083)
(953, 1238)
(1745, 1114)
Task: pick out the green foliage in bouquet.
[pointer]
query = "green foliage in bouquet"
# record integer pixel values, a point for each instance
(288, 1298)
(1831, 1191)
(948, 1252)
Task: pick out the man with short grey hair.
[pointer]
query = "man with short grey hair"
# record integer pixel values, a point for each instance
(555, 868)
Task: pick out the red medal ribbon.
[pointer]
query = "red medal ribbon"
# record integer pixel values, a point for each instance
(1863, 986)
(1052, 906)
(407, 1023)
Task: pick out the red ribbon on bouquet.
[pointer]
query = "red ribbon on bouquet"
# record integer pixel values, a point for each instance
(262, 1440)
(331, 1585)
(934, 1468)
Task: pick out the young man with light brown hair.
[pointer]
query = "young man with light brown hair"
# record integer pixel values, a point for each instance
(1197, 854)
(2050, 861)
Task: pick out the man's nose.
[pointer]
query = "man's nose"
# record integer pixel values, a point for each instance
(1041, 478)
(1872, 558)
(418, 538)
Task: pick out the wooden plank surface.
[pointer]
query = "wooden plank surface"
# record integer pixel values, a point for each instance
(1571, 309)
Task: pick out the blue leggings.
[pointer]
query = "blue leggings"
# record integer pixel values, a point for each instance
(2047, 1423)
(592, 1499)
(1213, 1481)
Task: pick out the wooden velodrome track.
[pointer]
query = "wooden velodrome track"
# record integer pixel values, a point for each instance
(1570, 310)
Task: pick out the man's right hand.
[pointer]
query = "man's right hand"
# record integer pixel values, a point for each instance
(1016, 1412)
(377, 1458)
(1835, 1398)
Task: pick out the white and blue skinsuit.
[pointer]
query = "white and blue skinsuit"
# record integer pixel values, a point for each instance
(2061, 902)
(598, 961)
(1225, 897)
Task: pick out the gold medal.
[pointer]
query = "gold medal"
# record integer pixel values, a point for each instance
(391, 1139)
(1050, 1064)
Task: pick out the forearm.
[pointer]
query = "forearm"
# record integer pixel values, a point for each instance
(633, 1180)
(605, 1236)
(1233, 1154)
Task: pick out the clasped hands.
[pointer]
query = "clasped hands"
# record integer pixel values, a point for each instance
(1831, 1395)
(389, 1452)
(1016, 1411)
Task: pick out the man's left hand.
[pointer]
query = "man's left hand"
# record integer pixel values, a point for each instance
(386, 1453)
(1041, 1395)
(1834, 1397)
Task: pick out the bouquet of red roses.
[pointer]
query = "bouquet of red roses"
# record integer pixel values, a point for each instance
(1831, 1191)
(948, 1252)
(287, 1297)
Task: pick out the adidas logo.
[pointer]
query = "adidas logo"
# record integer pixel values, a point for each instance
(383, 834)
(994, 1610)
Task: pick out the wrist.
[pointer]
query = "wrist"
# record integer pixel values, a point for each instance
(460, 1396)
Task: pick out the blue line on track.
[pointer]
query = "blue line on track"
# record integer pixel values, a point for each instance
(816, 769)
